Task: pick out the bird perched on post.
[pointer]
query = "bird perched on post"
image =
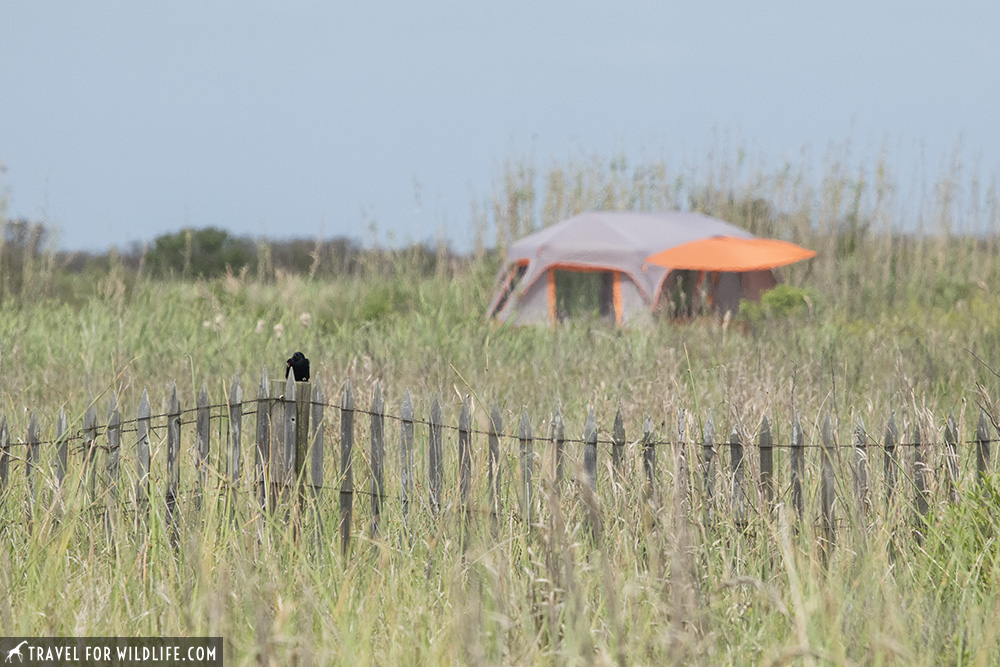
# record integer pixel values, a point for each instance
(300, 365)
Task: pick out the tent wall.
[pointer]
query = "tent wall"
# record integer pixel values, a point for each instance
(532, 306)
(756, 283)
(634, 306)
(727, 292)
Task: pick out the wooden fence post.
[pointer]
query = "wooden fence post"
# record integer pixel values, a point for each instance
(982, 446)
(708, 465)
(114, 454)
(436, 465)
(527, 459)
(173, 461)
(303, 401)
(203, 430)
(798, 466)
(262, 457)
(682, 498)
(4, 454)
(289, 441)
(922, 503)
(406, 452)
(737, 492)
(142, 455)
(316, 460)
(235, 432)
(590, 449)
(346, 466)
(861, 467)
(827, 494)
(558, 445)
(31, 460)
(891, 461)
(62, 448)
(589, 490)
(766, 445)
(618, 450)
(649, 458)
(377, 455)
(496, 431)
(90, 448)
(951, 460)
(464, 456)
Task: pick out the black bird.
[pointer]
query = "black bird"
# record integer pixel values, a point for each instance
(300, 365)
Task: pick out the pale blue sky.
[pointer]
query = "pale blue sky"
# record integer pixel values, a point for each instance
(120, 121)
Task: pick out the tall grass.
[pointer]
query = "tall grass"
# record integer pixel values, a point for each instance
(904, 299)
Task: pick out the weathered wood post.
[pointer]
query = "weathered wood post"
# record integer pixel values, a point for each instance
(558, 445)
(406, 453)
(951, 457)
(114, 456)
(262, 455)
(590, 449)
(235, 436)
(90, 448)
(289, 442)
(276, 466)
(316, 460)
(31, 460)
(496, 431)
(982, 446)
(708, 465)
(303, 409)
(142, 455)
(798, 466)
(527, 458)
(827, 494)
(203, 428)
(683, 472)
(649, 458)
(589, 490)
(618, 450)
(891, 461)
(346, 466)
(377, 414)
(4, 454)
(62, 449)
(765, 444)
(464, 457)
(434, 459)
(861, 467)
(173, 461)
(921, 502)
(738, 495)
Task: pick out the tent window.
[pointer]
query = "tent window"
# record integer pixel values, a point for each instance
(510, 284)
(585, 293)
(684, 290)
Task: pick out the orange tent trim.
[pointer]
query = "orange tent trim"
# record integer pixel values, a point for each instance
(731, 254)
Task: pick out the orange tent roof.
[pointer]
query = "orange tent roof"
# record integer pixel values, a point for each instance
(731, 254)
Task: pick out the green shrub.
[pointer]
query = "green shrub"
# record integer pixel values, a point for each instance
(782, 302)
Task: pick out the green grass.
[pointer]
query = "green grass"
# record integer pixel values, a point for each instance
(894, 323)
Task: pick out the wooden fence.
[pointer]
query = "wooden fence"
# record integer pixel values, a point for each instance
(289, 446)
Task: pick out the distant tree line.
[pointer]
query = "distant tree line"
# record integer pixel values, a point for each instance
(206, 253)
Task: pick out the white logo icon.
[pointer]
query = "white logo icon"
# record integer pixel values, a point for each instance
(16, 651)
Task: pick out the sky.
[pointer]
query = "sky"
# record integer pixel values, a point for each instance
(121, 120)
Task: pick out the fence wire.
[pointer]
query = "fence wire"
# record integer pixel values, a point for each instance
(132, 426)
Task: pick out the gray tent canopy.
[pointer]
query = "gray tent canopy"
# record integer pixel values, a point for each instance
(611, 247)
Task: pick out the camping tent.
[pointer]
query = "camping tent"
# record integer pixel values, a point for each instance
(606, 251)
